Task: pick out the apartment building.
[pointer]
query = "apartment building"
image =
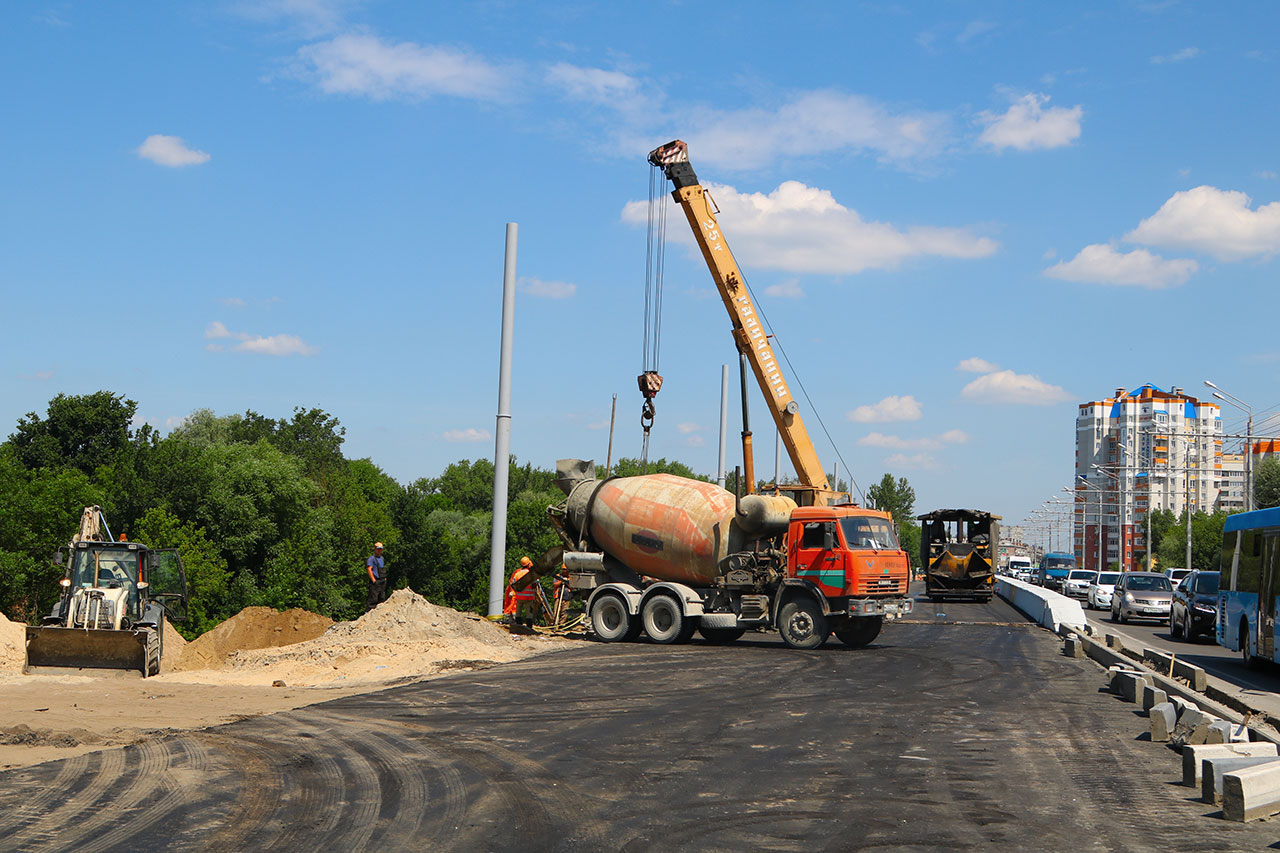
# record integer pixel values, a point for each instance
(1138, 451)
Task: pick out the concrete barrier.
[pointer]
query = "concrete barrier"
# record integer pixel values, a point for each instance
(1225, 731)
(1163, 720)
(1195, 676)
(1152, 696)
(1251, 793)
(1194, 755)
(1046, 607)
(1213, 769)
(1193, 727)
(1072, 647)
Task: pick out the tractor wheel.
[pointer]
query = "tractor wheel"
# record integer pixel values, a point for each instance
(151, 665)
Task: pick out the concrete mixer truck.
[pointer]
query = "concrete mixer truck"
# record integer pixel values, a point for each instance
(669, 556)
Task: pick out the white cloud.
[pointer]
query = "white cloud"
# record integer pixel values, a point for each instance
(974, 29)
(1027, 125)
(894, 442)
(888, 409)
(368, 66)
(1103, 264)
(954, 436)
(1266, 175)
(170, 151)
(310, 17)
(278, 345)
(686, 428)
(467, 436)
(614, 89)
(977, 365)
(802, 229)
(1177, 56)
(916, 461)
(233, 302)
(695, 441)
(789, 289)
(1005, 386)
(811, 124)
(546, 289)
(1216, 222)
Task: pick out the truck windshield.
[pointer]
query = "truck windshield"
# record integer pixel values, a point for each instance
(104, 567)
(867, 532)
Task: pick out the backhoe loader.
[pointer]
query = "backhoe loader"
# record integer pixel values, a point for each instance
(115, 598)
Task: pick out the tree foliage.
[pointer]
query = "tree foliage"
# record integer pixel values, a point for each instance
(1266, 483)
(1206, 541)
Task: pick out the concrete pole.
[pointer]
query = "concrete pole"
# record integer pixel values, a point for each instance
(502, 440)
(724, 422)
(1248, 464)
(1187, 474)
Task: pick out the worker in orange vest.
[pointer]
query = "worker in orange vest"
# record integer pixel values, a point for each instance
(520, 601)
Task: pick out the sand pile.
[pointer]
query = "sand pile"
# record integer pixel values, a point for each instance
(13, 645)
(251, 628)
(404, 637)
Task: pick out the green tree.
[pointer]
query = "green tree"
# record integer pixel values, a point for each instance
(80, 431)
(208, 581)
(1206, 541)
(627, 467)
(894, 496)
(1266, 483)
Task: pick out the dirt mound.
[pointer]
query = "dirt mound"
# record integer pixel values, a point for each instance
(174, 645)
(251, 628)
(13, 645)
(404, 637)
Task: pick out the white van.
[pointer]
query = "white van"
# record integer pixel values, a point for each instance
(1020, 568)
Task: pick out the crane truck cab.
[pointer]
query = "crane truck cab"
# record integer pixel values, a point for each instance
(115, 598)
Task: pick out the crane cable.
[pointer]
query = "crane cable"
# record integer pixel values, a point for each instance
(654, 268)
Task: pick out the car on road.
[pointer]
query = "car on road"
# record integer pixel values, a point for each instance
(1175, 576)
(1194, 610)
(1078, 582)
(1141, 595)
(1099, 595)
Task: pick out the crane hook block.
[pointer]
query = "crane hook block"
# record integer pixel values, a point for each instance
(650, 383)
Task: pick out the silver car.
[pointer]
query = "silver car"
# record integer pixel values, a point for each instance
(1141, 595)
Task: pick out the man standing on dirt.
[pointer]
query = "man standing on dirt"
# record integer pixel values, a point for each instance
(520, 601)
(377, 566)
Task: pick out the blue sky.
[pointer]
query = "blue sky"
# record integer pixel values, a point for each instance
(961, 219)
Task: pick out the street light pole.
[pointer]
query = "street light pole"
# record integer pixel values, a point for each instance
(1248, 440)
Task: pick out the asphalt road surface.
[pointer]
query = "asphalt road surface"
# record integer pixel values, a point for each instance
(942, 735)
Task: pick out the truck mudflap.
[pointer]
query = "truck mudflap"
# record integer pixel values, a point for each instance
(95, 649)
(890, 609)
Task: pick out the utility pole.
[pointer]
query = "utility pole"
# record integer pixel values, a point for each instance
(502, 441)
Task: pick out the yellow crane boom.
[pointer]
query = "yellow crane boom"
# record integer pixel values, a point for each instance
(749, 334)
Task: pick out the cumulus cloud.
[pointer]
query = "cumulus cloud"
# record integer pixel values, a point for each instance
(977, 365)
(913, 462)
(802, 229)
(233, 302)
(1213, 221)
(613, 89)
(812, 124)
(894, 442)
(278, 345)
(309, 17)
(1005, 386)
(789, 289)
(695, 441)
(371, 67)
(546, 289)
(170, 151)
(467, 436)
(887, 410)
(686, 428)
(1177, 56)
(1027, 125)
(1103, 264)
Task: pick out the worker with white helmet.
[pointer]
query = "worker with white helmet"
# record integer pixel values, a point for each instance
(377, 566)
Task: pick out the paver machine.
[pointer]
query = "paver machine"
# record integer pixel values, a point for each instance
(115, 598)
(958, 549)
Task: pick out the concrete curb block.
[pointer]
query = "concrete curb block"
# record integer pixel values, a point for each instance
(1194, 756)
(1193, 727)
(1152, 696)
(1169, 665)
(1213, 769)
(1072, 647)
(1228, 731)
(1251, 793)
(1163, 719)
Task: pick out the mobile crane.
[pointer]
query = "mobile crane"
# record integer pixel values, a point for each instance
(667, 555)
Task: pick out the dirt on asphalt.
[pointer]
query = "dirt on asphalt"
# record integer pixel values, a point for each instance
(260, 661)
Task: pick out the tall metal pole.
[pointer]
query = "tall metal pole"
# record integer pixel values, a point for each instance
(1248, 464)
(1187, 474)
(724, 422)
(613, 416)
(502, 441)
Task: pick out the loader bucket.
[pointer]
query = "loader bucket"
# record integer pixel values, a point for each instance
(95, 649)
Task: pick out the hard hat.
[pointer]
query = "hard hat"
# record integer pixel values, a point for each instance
(526, 562)
(377, 545)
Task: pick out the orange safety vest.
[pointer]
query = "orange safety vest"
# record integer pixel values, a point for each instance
(521, 596)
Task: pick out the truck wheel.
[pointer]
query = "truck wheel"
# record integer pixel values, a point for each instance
(610, 620)
(802, 624)
(720, 636)
(859, 631)
(665, 622)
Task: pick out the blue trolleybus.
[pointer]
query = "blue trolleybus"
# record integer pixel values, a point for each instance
(1250, 563)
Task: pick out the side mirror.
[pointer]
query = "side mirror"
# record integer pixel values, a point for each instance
(58, 557)
(828, 538)
(143, 584)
